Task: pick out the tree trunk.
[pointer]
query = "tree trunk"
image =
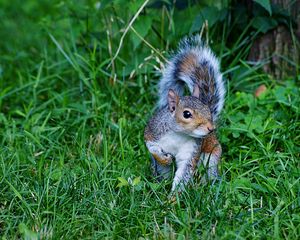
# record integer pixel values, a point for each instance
(280, 46)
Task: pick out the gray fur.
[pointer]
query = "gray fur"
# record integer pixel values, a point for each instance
(161, 123)
(189, 169)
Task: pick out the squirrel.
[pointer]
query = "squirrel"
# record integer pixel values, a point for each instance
(183, 127)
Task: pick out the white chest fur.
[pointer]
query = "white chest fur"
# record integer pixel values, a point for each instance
(179, 145)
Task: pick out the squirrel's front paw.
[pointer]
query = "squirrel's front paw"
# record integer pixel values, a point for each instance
(168, 158)
(163, 158)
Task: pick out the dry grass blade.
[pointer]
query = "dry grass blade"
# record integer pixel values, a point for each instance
(125, 32)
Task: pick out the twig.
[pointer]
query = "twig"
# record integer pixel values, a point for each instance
(149, 45)
(126, 30)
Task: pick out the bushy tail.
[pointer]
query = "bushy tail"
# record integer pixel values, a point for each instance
(194, 63)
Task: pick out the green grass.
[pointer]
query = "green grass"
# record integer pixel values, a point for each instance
(71, 131)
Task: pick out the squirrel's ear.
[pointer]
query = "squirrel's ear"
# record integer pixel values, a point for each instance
(172, 100)
(196, 91)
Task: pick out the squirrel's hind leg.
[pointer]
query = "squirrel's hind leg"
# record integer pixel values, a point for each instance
(210, 155)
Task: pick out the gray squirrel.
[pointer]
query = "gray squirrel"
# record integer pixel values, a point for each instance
(182, 129)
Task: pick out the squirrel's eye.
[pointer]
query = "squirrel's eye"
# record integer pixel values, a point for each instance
(187, 114)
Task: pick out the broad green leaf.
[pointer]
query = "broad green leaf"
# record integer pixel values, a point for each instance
(136, 181)
(235, 134)
(242, 183)
(183, 20)
(133, 6)
(265, 4)
(280, 94)
(138, 187)
(56, 174)
(264, 24)
(211, 14)
(122, 182)
(259, 187)
(142, 27)
(154, 186)
(254, 123)
(27, 233)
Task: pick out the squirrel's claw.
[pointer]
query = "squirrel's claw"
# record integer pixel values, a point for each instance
(168, 158)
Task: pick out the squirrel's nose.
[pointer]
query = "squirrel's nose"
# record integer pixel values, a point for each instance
(210, 129)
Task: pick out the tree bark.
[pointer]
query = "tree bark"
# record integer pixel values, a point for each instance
(279, 47)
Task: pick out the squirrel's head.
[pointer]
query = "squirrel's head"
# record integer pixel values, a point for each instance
(191, 115)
